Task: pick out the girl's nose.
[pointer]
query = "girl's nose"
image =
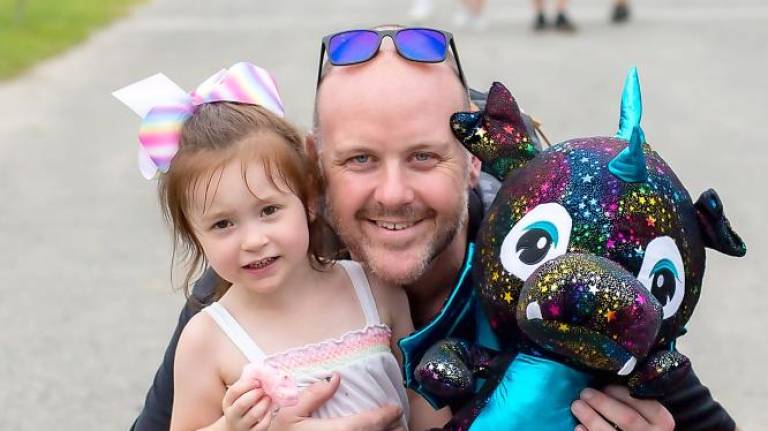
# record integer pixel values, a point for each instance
(254, 238)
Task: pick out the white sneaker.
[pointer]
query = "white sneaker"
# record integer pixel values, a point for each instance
(461, 17)
(464, 18)
(420, 10)
(478, 22)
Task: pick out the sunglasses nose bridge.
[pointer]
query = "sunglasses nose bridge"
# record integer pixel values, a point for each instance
(390, 44)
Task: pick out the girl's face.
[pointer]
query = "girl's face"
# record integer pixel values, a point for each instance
(254, 234)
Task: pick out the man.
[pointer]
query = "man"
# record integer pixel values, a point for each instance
(401, 194)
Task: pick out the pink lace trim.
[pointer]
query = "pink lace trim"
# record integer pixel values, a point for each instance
(334, 352)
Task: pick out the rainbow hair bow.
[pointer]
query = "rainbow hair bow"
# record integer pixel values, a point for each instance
(164, 107)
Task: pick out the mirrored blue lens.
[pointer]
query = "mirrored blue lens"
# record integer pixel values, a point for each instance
(420, 44)
(352, 47)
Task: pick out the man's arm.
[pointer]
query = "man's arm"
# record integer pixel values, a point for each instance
(694, 409)
(689, 407)
(156, 414)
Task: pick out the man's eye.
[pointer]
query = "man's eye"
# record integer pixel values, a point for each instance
(221, 224)
(360, 159)
(422, 157)
(269, 210)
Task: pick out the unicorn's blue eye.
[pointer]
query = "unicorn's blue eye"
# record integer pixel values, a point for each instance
(665, 264)
(549, 228)
(663, 274)
(664, 280)
(541, 235)
(538, 238)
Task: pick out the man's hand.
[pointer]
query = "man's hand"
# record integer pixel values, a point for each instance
(297, 418)
(615, 409)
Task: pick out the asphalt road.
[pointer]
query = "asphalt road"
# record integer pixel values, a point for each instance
(86, 305)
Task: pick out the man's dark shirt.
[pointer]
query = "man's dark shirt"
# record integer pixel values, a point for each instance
(692, 405)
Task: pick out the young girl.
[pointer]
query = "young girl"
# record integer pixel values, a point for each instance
(241, 197)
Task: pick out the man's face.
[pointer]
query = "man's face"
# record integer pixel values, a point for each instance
(397, 179)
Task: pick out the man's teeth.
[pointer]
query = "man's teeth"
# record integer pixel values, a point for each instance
(394, 226)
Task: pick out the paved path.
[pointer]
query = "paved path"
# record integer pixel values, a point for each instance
(85, 300)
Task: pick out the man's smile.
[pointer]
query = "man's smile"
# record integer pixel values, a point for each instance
(394, 225)
(395, 232)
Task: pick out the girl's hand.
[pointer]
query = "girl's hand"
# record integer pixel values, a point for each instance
(298, 417)
(246, 407)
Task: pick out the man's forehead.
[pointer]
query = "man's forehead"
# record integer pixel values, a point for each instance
(388, 59)
(389, 76)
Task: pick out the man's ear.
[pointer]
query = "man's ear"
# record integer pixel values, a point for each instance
(715, 227)
(310, 146)
(475, 165)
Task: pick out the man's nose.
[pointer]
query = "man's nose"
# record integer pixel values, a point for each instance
(395, 189)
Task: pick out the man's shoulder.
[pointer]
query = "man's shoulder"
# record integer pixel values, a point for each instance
(205, 288)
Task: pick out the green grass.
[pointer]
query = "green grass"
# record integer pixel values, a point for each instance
(31, 30)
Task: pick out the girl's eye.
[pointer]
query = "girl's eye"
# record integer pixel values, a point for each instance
(221, 224)
(269, 210)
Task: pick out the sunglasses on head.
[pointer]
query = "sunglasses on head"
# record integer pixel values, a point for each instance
(424, 45)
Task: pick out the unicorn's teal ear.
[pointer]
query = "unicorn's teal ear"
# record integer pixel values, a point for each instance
(631, 107)
(629, 164)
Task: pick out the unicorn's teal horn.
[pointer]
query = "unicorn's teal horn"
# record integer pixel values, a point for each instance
(631, 107)
(629, 164)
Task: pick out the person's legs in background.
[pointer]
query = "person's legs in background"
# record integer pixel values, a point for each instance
(420, 10)
(540, 20)
(471, 13)
(562, 23)
(620, 11)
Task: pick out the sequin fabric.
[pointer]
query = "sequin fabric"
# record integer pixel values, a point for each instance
(445, 368)
(590, 310)
(611, 218)
(591, 266)
(497, 134)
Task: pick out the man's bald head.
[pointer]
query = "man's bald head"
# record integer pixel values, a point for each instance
(387, 66)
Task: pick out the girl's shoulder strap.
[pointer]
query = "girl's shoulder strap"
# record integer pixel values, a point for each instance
(362, 289)
(235, 332)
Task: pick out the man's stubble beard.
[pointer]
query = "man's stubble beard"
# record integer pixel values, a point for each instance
(360, 247)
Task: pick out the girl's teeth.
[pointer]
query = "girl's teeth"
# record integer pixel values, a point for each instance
(261, 264)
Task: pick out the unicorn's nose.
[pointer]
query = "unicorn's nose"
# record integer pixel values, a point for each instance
(590, 309)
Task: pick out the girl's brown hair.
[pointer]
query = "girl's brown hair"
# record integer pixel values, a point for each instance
(215, 135)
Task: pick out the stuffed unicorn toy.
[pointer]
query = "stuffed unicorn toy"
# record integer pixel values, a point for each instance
(588, 264)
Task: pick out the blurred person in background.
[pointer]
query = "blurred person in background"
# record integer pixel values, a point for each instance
(620, 11)
(469, 13)
(562, 22)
